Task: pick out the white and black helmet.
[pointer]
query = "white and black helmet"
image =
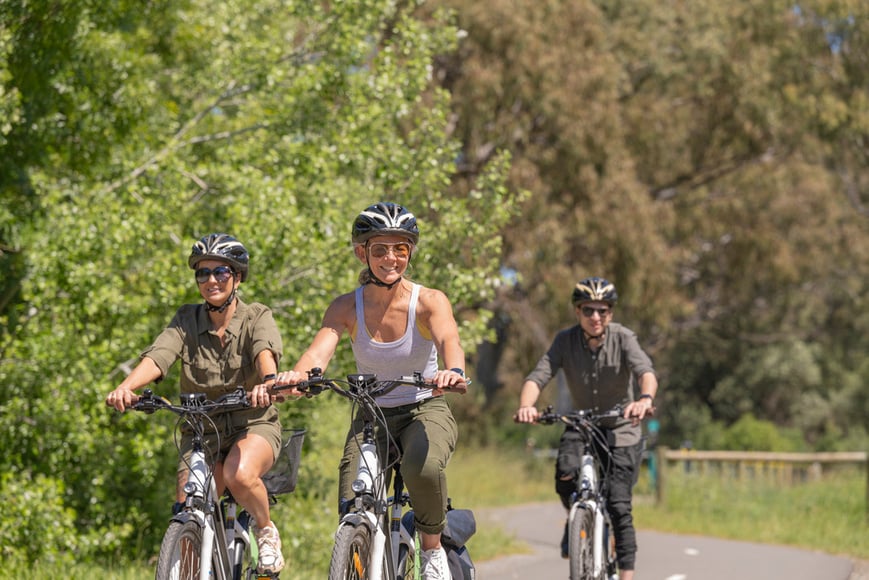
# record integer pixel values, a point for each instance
(595, 290)
(221, 247)
(385, 219)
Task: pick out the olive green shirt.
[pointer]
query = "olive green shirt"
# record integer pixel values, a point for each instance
(598, 380)
(206, 365)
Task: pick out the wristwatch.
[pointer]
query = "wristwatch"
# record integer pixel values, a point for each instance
(459, 371)
(647, 396)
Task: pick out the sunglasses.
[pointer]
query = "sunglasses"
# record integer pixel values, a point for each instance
(399, 250)
(221, 274)
(588, 311)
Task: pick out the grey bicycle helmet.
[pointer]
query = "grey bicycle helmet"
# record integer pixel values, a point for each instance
(221, 247)
(384, 219)
(595, 290)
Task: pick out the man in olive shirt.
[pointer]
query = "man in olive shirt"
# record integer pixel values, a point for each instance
(600, 360)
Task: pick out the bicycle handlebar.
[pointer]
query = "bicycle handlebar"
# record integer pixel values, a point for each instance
(192, 403)
(355, 386)
(578, 417)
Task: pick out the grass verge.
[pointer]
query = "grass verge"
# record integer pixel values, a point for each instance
(829, 515)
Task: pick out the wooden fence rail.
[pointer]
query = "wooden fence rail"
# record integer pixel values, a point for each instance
(784, 467)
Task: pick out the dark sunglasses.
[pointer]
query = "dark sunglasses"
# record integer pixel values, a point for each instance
(399, 250)
(588, 311)
(221, 274)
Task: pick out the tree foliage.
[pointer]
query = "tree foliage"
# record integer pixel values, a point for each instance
(710, 159)
(128, 131)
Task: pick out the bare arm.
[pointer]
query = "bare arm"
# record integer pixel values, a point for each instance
(123, 396)
(437, 314)
(267, 366)
(321, 350)
(338, 318)
(643, 406)
(527, 412)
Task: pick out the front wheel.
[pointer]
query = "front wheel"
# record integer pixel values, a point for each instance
(581, 538)
(351, 554)
(180, 552)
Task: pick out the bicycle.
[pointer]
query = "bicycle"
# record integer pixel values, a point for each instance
(208, 537)
(591, 544)
(375, 539)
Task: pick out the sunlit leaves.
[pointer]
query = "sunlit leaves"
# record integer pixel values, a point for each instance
(132, 130)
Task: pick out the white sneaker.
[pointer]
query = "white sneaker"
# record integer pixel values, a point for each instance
(268, 542)
(435, 565)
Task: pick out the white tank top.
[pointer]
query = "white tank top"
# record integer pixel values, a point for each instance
(393, 360)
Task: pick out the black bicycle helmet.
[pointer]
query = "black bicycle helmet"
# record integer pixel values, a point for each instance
(384, 219)
(595, 290)
(221, 247)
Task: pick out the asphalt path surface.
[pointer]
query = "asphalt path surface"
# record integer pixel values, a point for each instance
(660, 557)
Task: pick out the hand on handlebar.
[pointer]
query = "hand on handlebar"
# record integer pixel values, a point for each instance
(121, 399)
(526, 415)
(448, 381)
(261, 395)
(639, 410)
(289, 378)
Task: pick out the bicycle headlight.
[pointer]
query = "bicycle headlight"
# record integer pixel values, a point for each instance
(358, 486)
(189, 487)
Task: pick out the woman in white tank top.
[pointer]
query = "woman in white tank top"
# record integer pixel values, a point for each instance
(397, 327)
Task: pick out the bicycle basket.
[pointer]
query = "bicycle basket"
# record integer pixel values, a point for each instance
(281, 478)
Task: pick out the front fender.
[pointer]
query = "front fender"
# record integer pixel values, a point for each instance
(356, 519)
(187, 516)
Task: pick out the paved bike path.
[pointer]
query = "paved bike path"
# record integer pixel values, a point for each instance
(661, 556)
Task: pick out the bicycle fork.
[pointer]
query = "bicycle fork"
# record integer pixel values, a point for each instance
(367, 487)
(599, 539)
(196, 490)
(588, 491)
(199, 488)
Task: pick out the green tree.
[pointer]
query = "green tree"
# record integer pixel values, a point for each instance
(133, 130)
(710, 159)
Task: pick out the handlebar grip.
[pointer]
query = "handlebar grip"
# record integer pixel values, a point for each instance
(310, 388)
(237, 397)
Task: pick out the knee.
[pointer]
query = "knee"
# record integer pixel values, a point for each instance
(620, 510)
(238, 479)
(425, 470)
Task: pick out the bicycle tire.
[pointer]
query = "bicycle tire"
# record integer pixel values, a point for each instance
(180, 550)
(581, 541)
(351, 553)
(612, 568)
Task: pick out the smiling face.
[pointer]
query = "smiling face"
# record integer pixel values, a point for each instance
(386, 256)
(216, 287)
(594, 317)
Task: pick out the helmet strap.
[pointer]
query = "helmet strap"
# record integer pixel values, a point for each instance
(372, 279)
(212, 308)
